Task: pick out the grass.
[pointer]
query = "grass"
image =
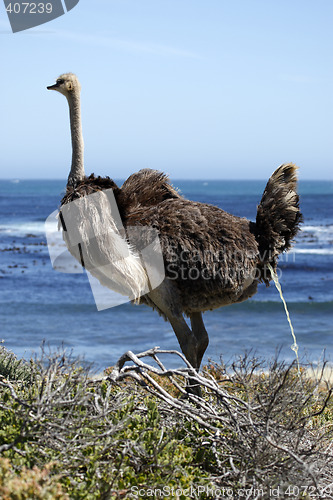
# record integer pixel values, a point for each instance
(255, 431)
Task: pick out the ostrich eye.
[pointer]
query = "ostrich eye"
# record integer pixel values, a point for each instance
(60, 81)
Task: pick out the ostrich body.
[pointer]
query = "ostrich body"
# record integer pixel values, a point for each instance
(211, 258)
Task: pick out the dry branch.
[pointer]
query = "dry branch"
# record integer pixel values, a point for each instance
(266, 425)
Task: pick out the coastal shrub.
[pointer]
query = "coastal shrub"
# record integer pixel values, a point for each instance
(36, 484)
(113, 437)
(11, 367)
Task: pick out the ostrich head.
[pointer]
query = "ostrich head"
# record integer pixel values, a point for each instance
(67, 84)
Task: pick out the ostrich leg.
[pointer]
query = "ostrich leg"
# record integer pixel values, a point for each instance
(201, 335)
(164, 300)
(186, 338)
(189, 344)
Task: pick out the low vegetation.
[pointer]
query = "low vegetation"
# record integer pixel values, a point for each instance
(256, 432)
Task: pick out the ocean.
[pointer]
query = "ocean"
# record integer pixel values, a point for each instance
(39, 304)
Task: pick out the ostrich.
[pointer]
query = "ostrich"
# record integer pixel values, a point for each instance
(211, 258)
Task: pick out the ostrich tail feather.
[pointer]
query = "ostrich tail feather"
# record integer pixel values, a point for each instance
(278, 214)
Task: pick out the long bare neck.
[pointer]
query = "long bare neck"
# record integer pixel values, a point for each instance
(77, 169)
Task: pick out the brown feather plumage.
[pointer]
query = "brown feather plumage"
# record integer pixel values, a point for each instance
(208, 253)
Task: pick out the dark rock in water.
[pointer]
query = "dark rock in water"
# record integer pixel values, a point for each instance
(10, 249)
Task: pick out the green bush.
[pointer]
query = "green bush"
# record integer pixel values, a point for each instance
(36, 484)
(11, 367)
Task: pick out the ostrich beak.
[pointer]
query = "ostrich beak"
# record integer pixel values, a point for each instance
(53, 87)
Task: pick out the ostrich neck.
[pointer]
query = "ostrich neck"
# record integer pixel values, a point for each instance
(77, 169)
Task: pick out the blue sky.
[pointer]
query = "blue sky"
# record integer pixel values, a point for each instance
(200, 89)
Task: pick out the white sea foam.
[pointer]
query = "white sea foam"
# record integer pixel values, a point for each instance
(316, 240)
(314, 251)
(21, 229)
(324, 234)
